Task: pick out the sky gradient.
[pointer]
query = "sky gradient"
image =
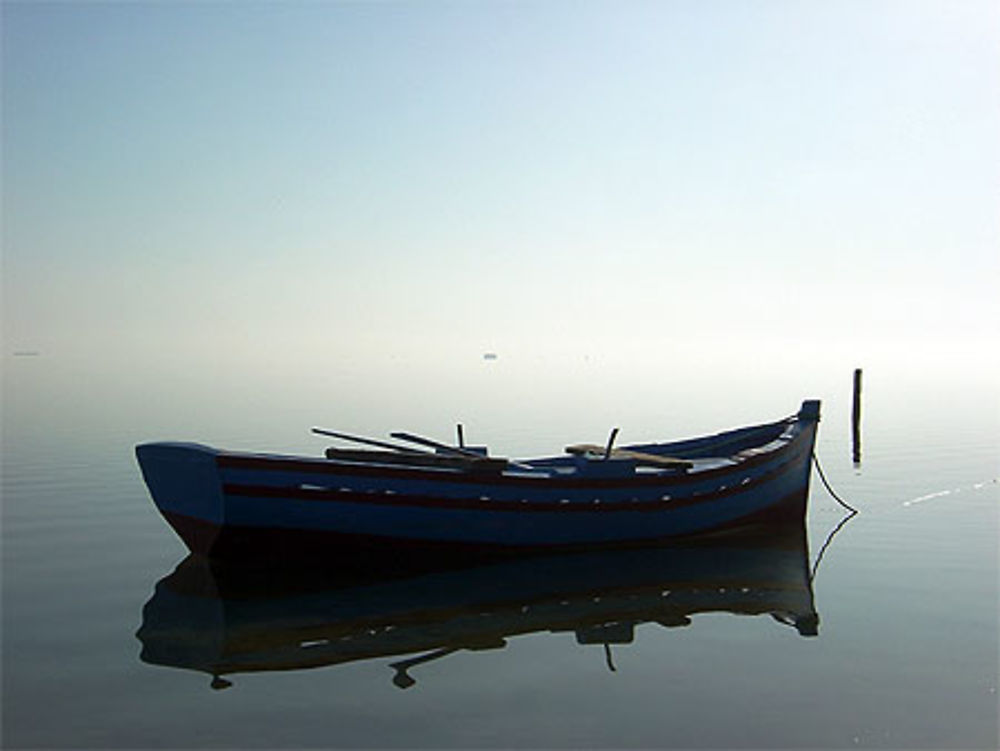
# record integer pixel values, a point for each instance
(452, 177)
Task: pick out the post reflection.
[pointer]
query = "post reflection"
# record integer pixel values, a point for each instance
(225, 620)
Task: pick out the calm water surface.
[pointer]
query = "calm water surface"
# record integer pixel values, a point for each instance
(906, 654)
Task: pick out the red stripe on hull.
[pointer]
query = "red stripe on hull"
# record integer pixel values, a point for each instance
(269, 544)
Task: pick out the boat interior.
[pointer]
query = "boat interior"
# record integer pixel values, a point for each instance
(591, 460)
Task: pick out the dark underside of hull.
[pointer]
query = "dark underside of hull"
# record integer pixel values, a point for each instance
(269, 546)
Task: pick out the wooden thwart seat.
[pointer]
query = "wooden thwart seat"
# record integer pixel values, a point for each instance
(639, 457)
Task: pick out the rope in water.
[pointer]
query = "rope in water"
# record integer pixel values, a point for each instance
(829, 489)
(826, 544)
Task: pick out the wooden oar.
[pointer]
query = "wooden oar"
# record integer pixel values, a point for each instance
(472, 455)
(435, 445)
(369, 441)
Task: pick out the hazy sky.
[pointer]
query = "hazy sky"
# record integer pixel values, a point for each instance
(496, 175)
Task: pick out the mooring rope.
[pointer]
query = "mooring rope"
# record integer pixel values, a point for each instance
(833, 533)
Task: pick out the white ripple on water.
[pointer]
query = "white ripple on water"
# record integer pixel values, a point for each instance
(955, 491)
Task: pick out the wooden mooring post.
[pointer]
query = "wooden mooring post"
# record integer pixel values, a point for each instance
(856, 420)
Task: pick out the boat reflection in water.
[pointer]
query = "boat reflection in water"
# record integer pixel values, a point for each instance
(223, 620)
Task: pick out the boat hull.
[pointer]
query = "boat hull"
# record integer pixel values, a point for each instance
(266, 542)
(239, 505)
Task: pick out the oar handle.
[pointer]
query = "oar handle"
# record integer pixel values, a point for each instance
(436, 445)
(611, 444)
(368, 441)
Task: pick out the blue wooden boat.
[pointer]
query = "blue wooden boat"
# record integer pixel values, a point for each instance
(461, 501)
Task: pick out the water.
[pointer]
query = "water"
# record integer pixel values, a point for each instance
(906, 654)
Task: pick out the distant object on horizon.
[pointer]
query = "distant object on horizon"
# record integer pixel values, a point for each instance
(27, 353)
(490, 356)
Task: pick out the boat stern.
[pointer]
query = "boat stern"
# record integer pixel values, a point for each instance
(183, 480)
